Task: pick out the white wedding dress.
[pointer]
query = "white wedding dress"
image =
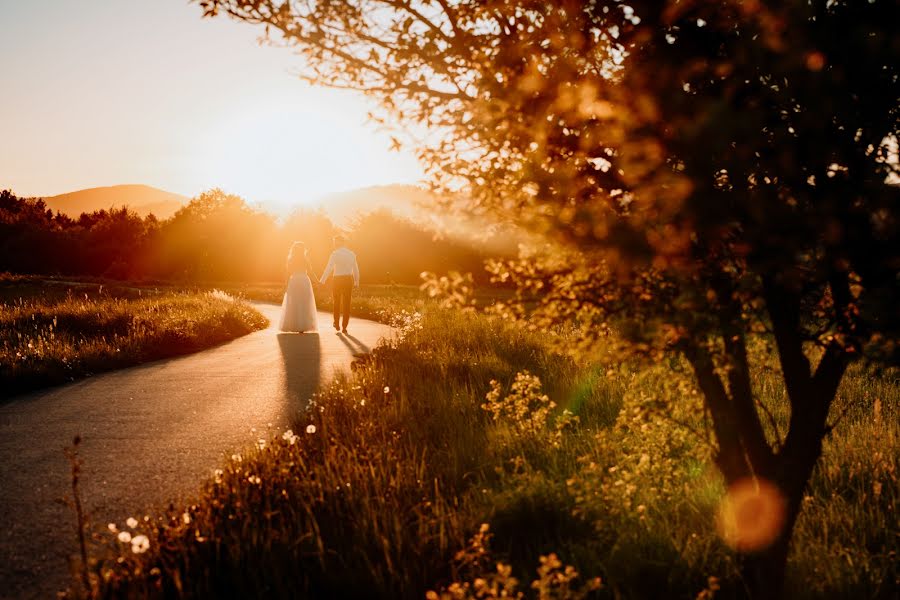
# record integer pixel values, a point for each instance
(298, 310)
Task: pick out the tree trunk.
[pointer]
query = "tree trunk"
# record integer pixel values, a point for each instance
(810, 393)
(764, 571)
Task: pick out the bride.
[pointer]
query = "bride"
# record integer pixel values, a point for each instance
(298, 311)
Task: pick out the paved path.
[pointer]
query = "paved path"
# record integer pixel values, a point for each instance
(150, 434)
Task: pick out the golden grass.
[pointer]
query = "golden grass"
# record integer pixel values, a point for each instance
(376, 491)
(55, 332)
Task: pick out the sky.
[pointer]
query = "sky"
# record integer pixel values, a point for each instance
(106, 92)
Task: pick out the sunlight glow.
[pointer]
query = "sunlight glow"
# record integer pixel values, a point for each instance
(751, 515)
(291, 147)
(208, 108)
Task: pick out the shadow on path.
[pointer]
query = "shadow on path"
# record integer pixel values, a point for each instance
(301, 355)
(355, 346)
(150, 434)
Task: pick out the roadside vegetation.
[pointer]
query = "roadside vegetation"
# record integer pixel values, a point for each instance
(375, 302)
(468, 458)
(378, 302)
(54, 331)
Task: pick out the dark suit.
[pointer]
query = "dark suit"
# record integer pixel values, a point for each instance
(342, 290)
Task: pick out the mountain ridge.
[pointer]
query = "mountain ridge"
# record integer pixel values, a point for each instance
(142, 199)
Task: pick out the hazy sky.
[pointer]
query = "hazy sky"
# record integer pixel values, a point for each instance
(103, 92)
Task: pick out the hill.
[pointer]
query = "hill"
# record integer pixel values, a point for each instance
(423, 208)
(142, 199)
(408, 201)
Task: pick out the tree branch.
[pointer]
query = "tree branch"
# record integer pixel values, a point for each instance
(784, 312)
(779, 442)
(451, 18)
(406, 6)
(731, 459)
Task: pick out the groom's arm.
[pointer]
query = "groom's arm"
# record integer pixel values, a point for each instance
(328, 269)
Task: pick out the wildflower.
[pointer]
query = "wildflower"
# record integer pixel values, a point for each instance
(261, 443)
(217, 474)
(186, 518)
(131, 522)
(310, 428)
(289, 437)
(220, 295)
(387, 389)
(140, 544)
(112, 527)
(124, 537)
(236, 457)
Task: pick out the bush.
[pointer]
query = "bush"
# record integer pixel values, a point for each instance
(375, 492)
(50, 336)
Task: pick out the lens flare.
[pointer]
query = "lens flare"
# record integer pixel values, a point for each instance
(751, 514)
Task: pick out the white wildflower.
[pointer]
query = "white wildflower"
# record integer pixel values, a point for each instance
(140, 544)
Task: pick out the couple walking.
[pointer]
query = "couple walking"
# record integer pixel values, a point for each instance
(298, 310)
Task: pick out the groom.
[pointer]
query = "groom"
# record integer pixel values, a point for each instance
(341, 264)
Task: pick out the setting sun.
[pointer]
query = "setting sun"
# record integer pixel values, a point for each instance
(150, 93)
(291, 147)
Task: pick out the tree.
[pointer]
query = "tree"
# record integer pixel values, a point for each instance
(703, 172)
(315, 229)
(114, 242)
(219, 237)
(397, 250)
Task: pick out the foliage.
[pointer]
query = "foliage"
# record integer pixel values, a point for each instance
(394, 249)
(702, 171)
(375, 302)
(496, 581)
(34, 240)
(218, 236)
(54, 334)
(427, 466)
(215, 237)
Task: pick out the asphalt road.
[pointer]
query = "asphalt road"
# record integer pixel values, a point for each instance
(150, 435)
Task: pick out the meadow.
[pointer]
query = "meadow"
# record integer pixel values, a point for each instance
(54, 331)
(370, 301)
(468, 458)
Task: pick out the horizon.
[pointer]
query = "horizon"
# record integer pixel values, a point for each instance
(341, 207)
(250, 201)
(219, 91)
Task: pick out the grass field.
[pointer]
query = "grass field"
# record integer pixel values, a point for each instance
(55, 331)
(376, 302)
(382, 490)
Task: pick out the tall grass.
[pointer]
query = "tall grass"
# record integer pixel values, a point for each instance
(376, 302)
(51, 334)
(464, 420)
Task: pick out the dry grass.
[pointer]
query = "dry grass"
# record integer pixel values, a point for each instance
(377, 490)
(54, 332)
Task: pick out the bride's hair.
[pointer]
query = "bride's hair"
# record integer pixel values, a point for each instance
(297, 248)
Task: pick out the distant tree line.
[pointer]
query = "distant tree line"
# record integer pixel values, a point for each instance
(215, 237)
